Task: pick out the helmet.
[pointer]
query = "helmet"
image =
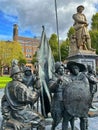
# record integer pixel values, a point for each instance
(15, 70)
(14, 62)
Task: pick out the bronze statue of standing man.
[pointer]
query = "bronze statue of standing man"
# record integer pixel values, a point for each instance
(82, 34)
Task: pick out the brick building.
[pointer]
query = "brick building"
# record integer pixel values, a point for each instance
(29, 45)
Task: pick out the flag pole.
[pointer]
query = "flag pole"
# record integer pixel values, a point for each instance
(59, 52)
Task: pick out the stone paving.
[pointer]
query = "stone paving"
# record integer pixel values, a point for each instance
(92, 121)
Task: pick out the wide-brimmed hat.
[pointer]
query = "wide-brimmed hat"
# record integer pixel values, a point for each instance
(80, 6)
(70, 64)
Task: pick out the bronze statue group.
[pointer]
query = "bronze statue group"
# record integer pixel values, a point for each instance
(71, 96)
(71, 89)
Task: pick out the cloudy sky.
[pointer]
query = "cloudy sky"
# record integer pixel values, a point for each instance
(30, 15)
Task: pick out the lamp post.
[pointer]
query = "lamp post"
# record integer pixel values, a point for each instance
(59, 52)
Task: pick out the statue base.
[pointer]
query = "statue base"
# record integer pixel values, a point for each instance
(86, 57)
(81, 51)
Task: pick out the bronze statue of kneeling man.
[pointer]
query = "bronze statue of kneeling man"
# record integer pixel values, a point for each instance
(16, 110)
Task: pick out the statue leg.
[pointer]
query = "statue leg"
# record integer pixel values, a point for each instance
(72, 123)
(66, 119)
(56, 113)
(92, 95)
(65, 124)
(89, 44)
(55, 123)
(83, 123)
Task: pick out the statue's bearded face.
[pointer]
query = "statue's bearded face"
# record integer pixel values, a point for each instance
(18, 77)
(75, 70)
(80, 10)
(28, 73)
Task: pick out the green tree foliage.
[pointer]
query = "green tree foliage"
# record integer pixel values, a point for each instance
(14, 51)
(9, 51)
(22, 61)
(53, 41)
(94, 39)
(64, 49)
(65, 44)
(94, 24)
(70, 32)
(94, 32)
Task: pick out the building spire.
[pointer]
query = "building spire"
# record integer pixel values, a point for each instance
(15, 32)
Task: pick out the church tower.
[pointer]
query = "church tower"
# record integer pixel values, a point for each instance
(15, 32)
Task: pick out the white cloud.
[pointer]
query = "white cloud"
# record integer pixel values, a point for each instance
(35, 13)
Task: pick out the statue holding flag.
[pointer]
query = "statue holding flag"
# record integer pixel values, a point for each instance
(45, 68)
